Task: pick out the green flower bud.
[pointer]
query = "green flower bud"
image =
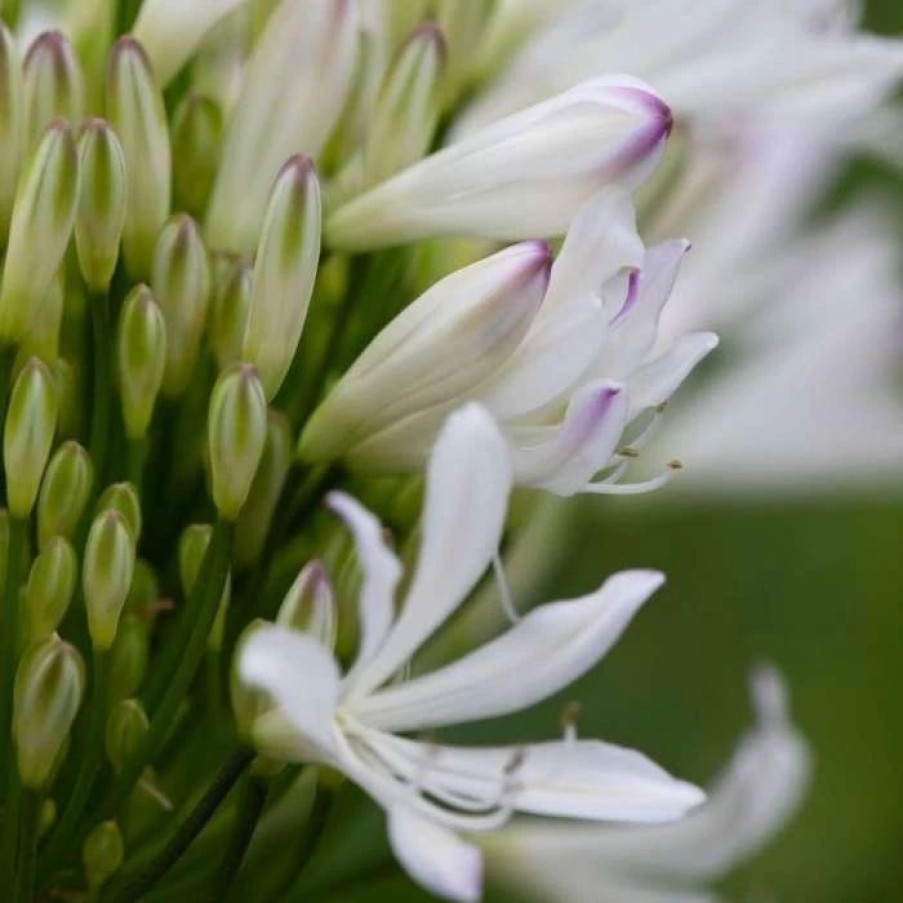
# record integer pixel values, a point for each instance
(462, 24)
(101, 203)
(181, 284)
(12, 125)
(30, 425)
(68, 399)
(130, 655)
(136, 112)
(229, 315)
(50, 683)
(46, 818)
(407, 108)
(284, 273)
(141, 347)
(257, 514)
(64, 492)
(236, 431)
(126, 727)
(102, 853)
(107, 575)
(123, 497)
(43, 337)
(53, 84)
(42, 221)
(50, 587)
(196, 139)
(4, 544)
(310, 606)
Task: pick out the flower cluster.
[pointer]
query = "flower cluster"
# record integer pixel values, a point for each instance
(272, 266)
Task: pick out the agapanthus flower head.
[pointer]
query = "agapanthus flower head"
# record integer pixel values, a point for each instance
(353, 721)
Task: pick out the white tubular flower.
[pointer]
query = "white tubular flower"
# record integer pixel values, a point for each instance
(171, 30)
(565, 371)
(719, 61)
(295, 88)
(523, 177)
(352, 722)
(757, 793)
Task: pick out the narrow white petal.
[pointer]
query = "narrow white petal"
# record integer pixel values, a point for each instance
(545, 651)
(435, 857)
(582, 779)
(300, 675)
(570, 454)
(654, 383)
(381, 573)
(468, 482)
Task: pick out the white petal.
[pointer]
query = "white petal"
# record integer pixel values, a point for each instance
(545, 651)
(758, 791)
(570, 327)
(564, 458)
(381, 573)
(584, 779)
(468, 481)
(654, 383)
(435, 857)
(635, 327)
(300, 675)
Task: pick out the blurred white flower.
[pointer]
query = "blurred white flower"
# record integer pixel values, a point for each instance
(564, 361)
(747, 805)
(523, 177)
(352, 722)
(716, 62)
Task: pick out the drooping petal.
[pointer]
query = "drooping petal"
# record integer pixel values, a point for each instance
(301, 676)
(545, 651)
(435, 857)
(381, 573)
(581, 779)
(564, 458)
(468, 481)
(654, 383)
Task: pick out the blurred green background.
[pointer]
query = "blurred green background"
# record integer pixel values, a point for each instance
(813, 585)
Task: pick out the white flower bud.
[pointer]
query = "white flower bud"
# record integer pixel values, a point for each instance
(171, 30)
(310, 605)
(524, 176)
(135, 110)
(284, 273)
(296, 86)
(53, 84)
(436, 352)
(12, 125)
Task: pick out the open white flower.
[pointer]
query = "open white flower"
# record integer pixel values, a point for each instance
(565, 361)
(352, 722)
(759, 790)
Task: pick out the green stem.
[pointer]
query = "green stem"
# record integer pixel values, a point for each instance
(60, 842)
(203, 605)
(250, 808)
(28, 831)
(7, 359)
(102, 402)
(9, 637)
(140, 876)
(136, 458)
(9, 829)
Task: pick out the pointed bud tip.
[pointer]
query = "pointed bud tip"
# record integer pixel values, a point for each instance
(53, 41)
(429, 32)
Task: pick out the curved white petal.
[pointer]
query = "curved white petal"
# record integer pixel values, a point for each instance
(468, 482)
(581, 779)
(381, 573)
(301, 676)
(564, 458)
(435, 857)
(545, 651)
(654, 383)
(635, 327)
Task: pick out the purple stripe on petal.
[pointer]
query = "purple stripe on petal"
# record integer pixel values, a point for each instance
(632, 296)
